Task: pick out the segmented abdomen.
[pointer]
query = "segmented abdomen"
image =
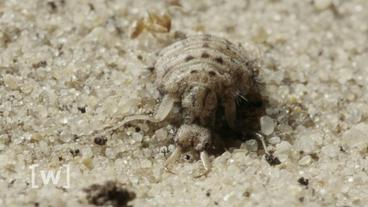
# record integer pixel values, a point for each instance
(200, 55)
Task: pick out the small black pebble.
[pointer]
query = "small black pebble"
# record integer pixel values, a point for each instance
(100, 140)
(110, 193)
(272, 160)
(82, 109)
(303, 181)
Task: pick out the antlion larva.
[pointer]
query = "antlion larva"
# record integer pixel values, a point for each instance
(199, 73)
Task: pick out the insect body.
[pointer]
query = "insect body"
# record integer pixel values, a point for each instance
(200, 73)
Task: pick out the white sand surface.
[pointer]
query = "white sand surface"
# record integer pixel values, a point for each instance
(69, 67)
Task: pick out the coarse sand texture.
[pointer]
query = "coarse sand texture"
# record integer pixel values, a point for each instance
(70, 71)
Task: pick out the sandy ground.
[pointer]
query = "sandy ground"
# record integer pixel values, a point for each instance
(68, 68)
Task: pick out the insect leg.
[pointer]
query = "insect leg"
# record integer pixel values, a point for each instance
(261, 138)
(172, 159)
(206, 164)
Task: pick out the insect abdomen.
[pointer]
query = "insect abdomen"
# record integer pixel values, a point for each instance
(200, 55)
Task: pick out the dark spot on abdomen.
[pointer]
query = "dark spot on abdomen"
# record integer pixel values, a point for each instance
(188, 58)
(205, 55)
(211, 73)
(219, 60)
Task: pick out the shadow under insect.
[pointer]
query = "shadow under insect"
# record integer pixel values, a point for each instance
(249, 110)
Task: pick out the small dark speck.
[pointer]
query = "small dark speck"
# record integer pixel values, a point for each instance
(12, 182)
(193, 71)
(82, 109)
(74, 152)
(216, 203)
(60, 158)
(272, 160)
(211, 73)
(111, 193)
(151, 69)
(187, 157)
(303, 181)
(145, 144)
(219, 60)
(52, 6)
(208, 193)
(205, 45)
(40, 64)
(140, 57)
(112, 65)
(75, 138)
(314, 156)
(320, 52)
(100, 140)
(301, 199)
(137, 129)
(91, 7)
(188, 58)
(205, 55)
